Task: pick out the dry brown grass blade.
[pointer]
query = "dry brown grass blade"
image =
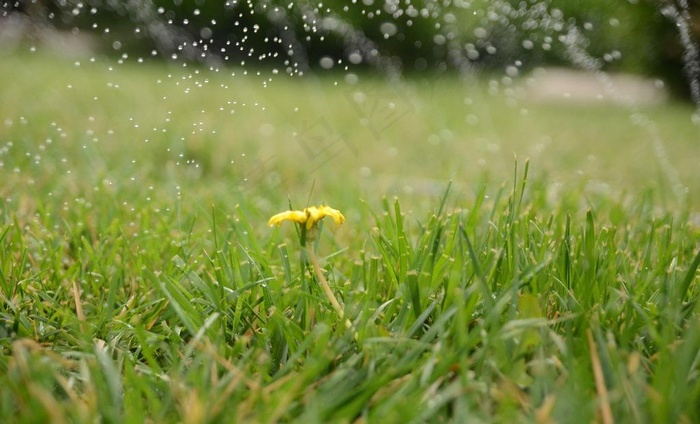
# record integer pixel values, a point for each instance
(601, 389)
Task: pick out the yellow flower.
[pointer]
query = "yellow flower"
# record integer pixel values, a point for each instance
(309, 216)
(308, 220)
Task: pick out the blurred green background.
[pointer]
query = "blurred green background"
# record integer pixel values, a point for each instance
(638, 36)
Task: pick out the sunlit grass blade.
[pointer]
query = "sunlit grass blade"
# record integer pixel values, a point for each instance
(690, 276)
(181, 303)
(486, 293)
(110, 381)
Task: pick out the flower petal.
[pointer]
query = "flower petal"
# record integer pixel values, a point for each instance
(295, 216)
(333, 213)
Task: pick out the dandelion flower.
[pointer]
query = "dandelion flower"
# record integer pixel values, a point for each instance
(308, 220)
(309, 217)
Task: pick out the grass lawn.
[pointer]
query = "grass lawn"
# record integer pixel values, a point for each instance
(502, 260)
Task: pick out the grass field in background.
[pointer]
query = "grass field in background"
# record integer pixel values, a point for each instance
(503, 260)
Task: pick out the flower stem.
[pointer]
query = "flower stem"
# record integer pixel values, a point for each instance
(326, 288)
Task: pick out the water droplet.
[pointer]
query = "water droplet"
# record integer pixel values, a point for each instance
(326, 62)
(355, 57)
(388, 29)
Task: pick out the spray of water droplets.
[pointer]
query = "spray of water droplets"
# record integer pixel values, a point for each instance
(254, 44)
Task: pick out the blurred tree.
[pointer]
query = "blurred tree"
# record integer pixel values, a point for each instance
(390, 35)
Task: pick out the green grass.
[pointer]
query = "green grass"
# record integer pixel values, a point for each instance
(139, 280)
